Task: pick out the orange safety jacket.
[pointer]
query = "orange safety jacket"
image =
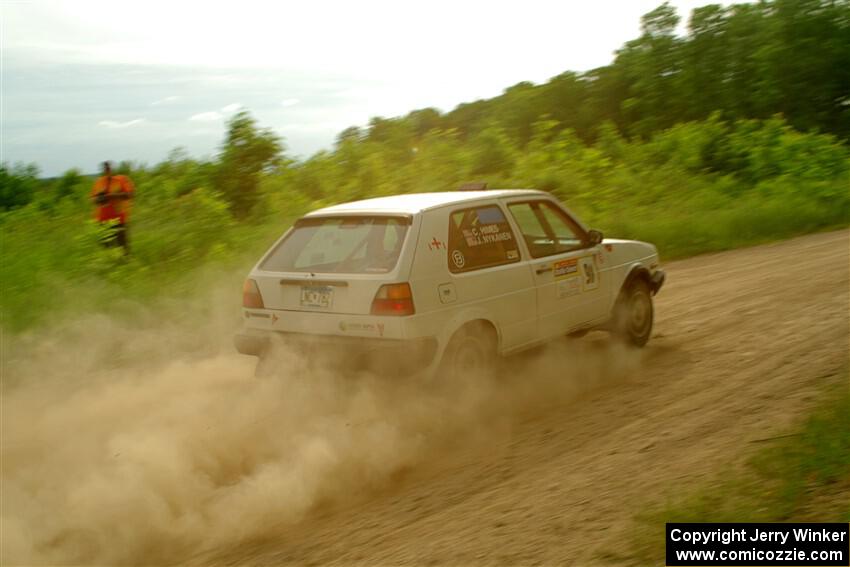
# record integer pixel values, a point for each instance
(114, 208)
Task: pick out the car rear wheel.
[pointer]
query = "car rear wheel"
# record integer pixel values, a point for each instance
(471, 352)
(634, 313)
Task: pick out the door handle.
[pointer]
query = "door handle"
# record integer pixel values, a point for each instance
(543, 269)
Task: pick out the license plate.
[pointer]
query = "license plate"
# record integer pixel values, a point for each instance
(317, 296)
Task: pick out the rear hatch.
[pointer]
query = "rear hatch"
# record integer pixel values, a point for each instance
(332, 264)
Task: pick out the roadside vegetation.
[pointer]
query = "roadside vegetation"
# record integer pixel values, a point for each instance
(800, 476)
(733, 134)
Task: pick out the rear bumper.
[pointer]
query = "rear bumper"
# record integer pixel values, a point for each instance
(407, 355)
(656, 281)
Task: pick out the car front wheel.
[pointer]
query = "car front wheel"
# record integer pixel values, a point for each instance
(634, 313)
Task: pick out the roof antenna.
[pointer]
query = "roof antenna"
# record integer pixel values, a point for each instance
(474, 186)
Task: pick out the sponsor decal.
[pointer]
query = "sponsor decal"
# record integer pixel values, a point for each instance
(436, 244)
(513, 254)
(362, 328)
(589, 275)
(565, 268)
(568, 287)
(458, 259)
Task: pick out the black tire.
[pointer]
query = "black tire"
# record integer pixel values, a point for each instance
(634, 313)
(471, 351)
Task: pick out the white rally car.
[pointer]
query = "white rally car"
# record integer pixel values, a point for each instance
(445, 281)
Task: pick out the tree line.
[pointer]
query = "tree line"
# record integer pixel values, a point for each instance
(755, 60)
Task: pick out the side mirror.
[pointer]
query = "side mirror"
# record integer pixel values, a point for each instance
(594, 237)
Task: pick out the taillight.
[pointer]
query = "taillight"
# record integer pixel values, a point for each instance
(393, 299)
(251, 295)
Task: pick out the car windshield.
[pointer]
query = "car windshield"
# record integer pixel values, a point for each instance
(352, 245)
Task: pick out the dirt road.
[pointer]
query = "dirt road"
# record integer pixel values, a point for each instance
(744, 341)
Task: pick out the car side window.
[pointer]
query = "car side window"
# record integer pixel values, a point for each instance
(546, 229)
(480, 237)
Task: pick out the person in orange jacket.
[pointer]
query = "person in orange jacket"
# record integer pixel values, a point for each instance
(112, 196)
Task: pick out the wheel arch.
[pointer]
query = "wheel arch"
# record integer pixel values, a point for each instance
(469, 319)
(635, 272)
(485, 324)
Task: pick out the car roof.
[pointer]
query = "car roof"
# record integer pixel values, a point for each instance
(412, 203)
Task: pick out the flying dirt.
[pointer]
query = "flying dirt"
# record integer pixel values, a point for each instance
(152, 442)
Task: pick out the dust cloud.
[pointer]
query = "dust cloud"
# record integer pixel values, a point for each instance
(150, 442)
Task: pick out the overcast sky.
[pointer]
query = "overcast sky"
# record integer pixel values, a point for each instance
(84, 81)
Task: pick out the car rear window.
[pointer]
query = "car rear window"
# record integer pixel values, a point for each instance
(349, 245)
